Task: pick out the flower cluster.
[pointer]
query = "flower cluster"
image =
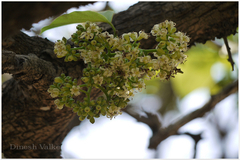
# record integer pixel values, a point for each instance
(116, 66)
(170, 49)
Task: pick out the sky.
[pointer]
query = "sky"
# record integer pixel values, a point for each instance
(124, 137)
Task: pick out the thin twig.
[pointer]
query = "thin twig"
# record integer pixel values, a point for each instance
(229, 53)
(196, 138)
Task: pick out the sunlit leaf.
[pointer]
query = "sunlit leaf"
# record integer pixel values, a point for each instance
(79, 17)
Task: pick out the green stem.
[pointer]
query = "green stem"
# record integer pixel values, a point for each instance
(102, 89)
(78, 48)
(83, 85)
(146, 51)
(131, 80)
(88, 95)
(82, 91)
(112, 54)
(114, 30)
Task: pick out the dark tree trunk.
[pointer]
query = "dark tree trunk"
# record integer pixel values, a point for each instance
(29, 117)
(18, 15)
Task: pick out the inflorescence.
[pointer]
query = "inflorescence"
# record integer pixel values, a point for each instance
(116, 66)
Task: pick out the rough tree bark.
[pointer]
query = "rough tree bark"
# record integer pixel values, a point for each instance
(27, 13)
(29, 117)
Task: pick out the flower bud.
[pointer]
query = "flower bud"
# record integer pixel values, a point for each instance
(98, 71)
(92, 120)
(85, 103)
(52, 86)
(70, 58)
(85, 114)
(87, 109)
(84, 44)
(85, 79)
(99, 101)
(58, 80)
(163, 37)
(65, 99)
(160, 51)
(65, 89)
(98, 107)
(126, 37)
(80, 27)
(77, 55)
(75, 109)
(66, 93)
(133, 35)
(93, 42)
(79, 33)
(97, 115)
(92, 103)
(76, 43)
(79, 113)
(87, 24)
(87, 74)
(173, 30)
(158, 39)
(66, 59)
(142, 35)
(81, 118)
(74, 36)
(59, 104)
(64, 40)
(75, 82)
(122, 105)
(103, 112)
(68, 85)
(92, 72)
(68, 105)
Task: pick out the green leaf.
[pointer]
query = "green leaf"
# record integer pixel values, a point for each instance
(79, 17)
(108, 15)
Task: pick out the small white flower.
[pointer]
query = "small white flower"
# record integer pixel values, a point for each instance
(142, 35)
(58, 104)
(107, 72)
(136, 72)
(98, 80)
(60, 49)
(75, 90)
(145, 59)
(54, 92)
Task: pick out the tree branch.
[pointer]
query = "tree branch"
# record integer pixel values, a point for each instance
(201, 21)
(229, 52)
(27, 13)
(172, 129)
(151, 120)
(196, 138)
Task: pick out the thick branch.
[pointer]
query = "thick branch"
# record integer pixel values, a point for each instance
(28, 67)
(172, 129)
(202, 21)
(19, 15)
